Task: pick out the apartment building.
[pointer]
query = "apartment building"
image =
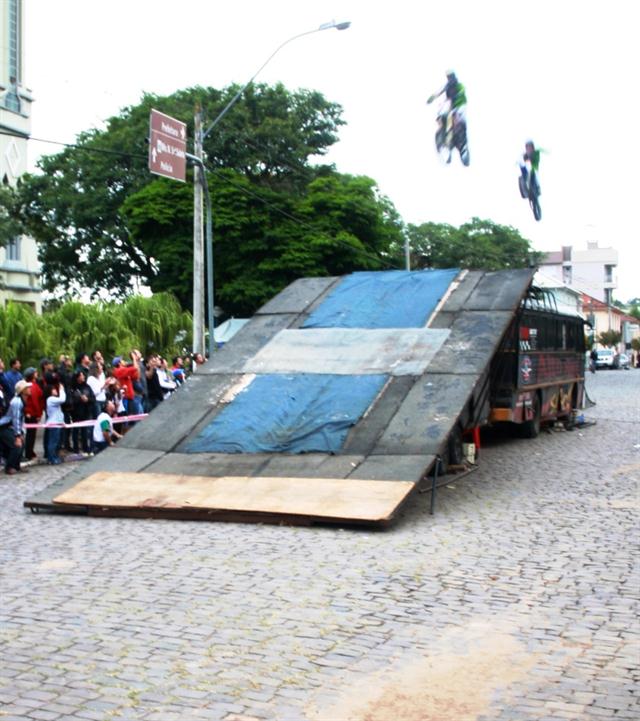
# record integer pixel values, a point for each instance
(19, 267)
(592, 271)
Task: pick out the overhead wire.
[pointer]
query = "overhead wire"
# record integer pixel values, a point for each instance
(302, 223)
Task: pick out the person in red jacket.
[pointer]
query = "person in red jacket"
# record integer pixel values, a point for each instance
(126, 374)
(33, 409)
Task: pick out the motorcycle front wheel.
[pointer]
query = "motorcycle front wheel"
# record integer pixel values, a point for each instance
(535, 206)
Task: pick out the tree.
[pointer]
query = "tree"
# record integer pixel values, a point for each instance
(264, 239)
(74, 208)
(609, 338)
(156, 323)
(10, 225)
(477, 244)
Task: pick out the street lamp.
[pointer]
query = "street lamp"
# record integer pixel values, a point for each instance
(200, 186)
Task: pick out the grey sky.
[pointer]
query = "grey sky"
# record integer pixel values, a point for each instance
(558, 72)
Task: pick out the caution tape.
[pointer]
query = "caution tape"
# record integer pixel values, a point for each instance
(86, 424)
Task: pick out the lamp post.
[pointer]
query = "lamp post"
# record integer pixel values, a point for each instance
(200, 185)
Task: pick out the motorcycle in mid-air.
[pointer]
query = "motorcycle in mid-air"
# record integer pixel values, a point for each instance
(451, 133)
(530, 190)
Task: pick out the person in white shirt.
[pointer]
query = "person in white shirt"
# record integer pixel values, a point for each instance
(97, 380)
(103, 432)
(56, 396)
(165, 377)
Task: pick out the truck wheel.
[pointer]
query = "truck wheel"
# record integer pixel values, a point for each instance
(454, 454)
(530, 429)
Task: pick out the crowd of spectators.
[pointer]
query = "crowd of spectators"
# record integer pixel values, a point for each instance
(72, 391)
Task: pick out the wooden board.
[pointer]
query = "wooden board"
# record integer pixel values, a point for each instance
(329, 499)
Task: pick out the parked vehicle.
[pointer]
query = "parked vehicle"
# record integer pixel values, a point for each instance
(537, 375)
(606, 358)
(623, 361)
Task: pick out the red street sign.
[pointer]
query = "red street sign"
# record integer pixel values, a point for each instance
(167, 146)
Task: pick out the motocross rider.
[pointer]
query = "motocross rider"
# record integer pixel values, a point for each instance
(454, 91)
(531, 156)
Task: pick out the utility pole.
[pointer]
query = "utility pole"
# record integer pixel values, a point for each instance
(198, 242)
(200, 184)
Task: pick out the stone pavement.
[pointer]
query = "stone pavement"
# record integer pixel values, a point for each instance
(517, 601)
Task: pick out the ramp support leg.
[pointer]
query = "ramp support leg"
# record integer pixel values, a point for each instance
(476, 437)
(434, 484)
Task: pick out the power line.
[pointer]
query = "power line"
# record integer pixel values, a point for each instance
(104, 151)
(302, 223)
(299, 221)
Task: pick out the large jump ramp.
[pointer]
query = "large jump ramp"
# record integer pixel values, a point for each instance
(331, 405)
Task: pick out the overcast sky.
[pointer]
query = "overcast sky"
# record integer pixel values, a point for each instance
(559, 72)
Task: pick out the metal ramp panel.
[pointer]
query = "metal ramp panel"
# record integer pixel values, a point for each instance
(397, 441)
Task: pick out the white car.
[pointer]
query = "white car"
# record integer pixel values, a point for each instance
(606, 358)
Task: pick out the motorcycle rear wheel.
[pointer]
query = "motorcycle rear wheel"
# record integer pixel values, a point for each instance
(522, 184)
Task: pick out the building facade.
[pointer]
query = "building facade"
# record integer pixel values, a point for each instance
(593, 271)
(19, 267)
(568, 300)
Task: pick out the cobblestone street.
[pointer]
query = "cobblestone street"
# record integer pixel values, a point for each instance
(516, 601)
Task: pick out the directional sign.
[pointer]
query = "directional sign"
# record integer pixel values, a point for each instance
(167, 146)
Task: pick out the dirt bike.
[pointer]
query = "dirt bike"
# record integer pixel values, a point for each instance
(530, 190)
(451, 133)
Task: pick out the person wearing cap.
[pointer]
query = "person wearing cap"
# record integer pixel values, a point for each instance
(126, 374)
(12, 427)
(33, 411)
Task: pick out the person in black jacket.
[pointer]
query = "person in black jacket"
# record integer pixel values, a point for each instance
(82, 409)
(155, 393)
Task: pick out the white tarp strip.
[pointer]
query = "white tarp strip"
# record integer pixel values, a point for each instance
(349, 351)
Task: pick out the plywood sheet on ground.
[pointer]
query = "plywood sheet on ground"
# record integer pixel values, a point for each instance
(330, 499)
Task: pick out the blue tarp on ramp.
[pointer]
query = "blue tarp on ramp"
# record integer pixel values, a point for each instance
(393, 299)
(299, 413)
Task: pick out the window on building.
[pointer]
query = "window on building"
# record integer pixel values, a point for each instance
(608, 273)
(566, 275)
(13, 249)
(608, 297)
(11, 99)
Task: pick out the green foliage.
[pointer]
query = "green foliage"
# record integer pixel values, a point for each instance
(21, 332)
(635, 344)
(609, 338)
(10, 224)
(478, 244)
(87, 209)
(263, 238)
(147, 324)
(635, 311)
